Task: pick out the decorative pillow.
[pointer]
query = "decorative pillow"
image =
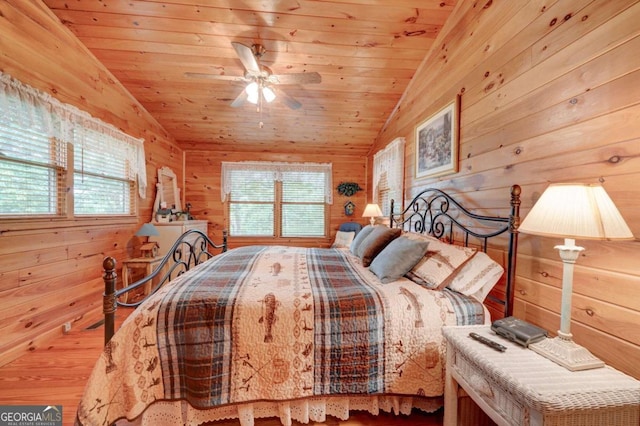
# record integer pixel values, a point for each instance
(477, 277)
(343, 239)
(364, 232)
(375, 242)
(397, 258)
(438, 265)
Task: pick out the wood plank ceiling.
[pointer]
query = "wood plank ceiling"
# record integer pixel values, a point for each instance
(366, 52)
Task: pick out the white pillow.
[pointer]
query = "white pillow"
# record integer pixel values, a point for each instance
(477, 277)
(343, 239)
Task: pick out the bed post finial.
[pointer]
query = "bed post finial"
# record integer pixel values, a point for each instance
(514, 223)
(109, 304)
(515, 207)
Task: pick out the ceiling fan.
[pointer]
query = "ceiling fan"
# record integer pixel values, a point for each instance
(260, 82)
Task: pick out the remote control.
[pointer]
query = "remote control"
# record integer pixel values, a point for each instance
(495, 345)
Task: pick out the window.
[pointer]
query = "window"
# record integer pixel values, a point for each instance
(33, 166)
(47, 147)
(277, 199)
(102, 184)
(388, 176)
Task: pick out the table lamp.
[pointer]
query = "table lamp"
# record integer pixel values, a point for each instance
(148, 230)
(372, 211)
(572, 211)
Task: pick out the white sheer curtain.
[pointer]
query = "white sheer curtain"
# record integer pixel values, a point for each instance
(69, 124)
(277, 169)
(390, 162)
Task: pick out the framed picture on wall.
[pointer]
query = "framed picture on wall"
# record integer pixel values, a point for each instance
(437, 142)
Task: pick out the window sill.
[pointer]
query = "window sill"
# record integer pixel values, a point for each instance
(23, 223)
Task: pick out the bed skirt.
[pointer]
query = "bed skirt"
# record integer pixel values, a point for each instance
(306, 410)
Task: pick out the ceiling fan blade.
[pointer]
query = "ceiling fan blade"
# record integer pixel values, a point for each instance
(215, 76)
(296, 78)
(239, 100)
(247, 57)
(286, 99)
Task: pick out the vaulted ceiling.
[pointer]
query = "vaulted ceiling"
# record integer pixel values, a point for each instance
(366, 52)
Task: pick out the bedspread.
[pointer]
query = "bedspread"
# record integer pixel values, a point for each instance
(273, 323)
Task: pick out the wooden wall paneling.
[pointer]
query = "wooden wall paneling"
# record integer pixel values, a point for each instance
(51, 270)
(203, 183)
(39, 316)
(613, 351)
(513, 59)
(550, 96)
(594, 313)
(608, 286)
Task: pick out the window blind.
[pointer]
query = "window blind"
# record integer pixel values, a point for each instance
(33, 166)
(252, 203)
(277, 199)
(36, 173)
(303, 207)
(102, 184)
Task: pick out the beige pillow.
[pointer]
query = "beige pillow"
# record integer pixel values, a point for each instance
(375, 242)
(477, 277)
(442, 260)
(343, 239)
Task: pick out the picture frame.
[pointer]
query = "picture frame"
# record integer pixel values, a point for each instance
(437, 139)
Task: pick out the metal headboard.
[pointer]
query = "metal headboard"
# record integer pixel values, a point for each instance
(436, 213)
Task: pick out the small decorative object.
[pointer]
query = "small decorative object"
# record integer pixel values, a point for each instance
(349, 207)
(188, 212)
(150, 248)
(437, 142)
(572, 211)
(164, 215)
(372, 211)
(348, 188)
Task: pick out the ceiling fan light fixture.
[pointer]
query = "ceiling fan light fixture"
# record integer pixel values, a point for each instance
(268, 93)
(252, 92)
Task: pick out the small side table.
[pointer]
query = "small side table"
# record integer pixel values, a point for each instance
(146, 263)
(520, 387)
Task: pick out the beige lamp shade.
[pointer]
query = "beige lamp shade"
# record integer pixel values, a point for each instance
(578, 211)
(372, 211)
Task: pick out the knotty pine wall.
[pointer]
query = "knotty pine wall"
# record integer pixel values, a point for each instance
(202, 190)
(550, 92)
(51, 272)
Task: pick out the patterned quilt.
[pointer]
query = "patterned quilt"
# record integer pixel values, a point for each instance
(275, 323)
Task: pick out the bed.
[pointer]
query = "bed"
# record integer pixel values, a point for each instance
(301, 333)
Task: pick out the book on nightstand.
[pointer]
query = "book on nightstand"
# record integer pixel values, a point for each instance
(518, 331)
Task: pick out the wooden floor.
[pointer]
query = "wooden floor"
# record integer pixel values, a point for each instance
(56, 375)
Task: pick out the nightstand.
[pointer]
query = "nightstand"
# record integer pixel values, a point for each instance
(146, 263)
(520, 387)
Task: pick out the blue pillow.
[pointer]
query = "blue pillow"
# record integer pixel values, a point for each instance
(397, 258)
(364, 232)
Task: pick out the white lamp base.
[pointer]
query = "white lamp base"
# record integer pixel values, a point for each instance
(568, 354)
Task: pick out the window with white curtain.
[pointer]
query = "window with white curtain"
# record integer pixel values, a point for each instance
(270, 199)
(388, 176)
(50, 150)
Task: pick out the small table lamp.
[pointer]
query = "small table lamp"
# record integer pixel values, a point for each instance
(571, 211)
(372, 211)
(148, 249)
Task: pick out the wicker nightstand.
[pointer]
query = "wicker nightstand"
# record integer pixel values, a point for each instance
(519, 387)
